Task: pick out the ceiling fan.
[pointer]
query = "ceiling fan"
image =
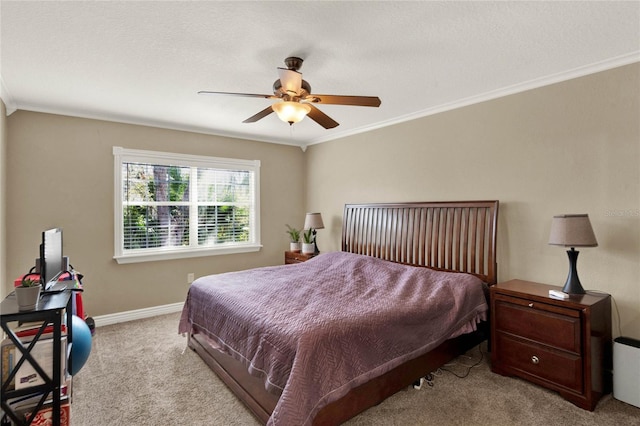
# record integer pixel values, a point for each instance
(295, 101)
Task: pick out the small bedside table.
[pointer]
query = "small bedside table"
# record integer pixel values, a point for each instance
(296, 257)
(563, 345)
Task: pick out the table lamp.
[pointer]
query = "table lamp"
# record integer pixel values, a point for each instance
(572, 230)
(314, 221)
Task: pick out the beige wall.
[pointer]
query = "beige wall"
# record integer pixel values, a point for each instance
(573, 147)
(3, 191)
(60, 173)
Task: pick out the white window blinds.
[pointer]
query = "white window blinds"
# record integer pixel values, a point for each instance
(176, 205)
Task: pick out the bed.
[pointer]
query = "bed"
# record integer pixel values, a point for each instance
(321, 341)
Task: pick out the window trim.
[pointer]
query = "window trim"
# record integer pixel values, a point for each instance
(124, 155)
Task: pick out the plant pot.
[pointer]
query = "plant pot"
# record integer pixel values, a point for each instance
(295, 247)
(308, 248)
(27, 297)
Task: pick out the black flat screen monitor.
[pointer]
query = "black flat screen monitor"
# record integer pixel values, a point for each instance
(51, 257)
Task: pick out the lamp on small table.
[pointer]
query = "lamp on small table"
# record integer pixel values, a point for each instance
(572, 230)
(313, 221)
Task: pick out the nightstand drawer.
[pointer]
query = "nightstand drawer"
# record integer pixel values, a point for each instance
(296, 257)
(561, 344)
(541, 363)
(536, 322)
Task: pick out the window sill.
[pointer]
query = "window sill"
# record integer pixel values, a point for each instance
(184, 253)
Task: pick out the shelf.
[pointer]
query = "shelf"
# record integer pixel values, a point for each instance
(49, 311)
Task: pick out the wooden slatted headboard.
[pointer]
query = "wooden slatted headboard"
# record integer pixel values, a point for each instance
(457, 236)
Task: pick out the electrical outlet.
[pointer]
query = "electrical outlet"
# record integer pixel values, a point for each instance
(190, 277)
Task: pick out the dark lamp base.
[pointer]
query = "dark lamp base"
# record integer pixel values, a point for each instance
(316, 251)
(573, 286)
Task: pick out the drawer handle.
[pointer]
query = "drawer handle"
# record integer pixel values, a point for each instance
(535, 359)
(531, 305)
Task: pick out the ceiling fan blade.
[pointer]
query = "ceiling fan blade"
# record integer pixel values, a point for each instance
(246, 95)
(369, 101)
(262, 114)
(321, 118)
(291, 81)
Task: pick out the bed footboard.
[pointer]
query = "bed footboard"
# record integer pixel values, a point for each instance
(250, 390)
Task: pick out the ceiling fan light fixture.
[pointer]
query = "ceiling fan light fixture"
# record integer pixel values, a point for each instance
(291, 112)
(294, 99)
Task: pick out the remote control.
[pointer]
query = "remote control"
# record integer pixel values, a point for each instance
(558, 294)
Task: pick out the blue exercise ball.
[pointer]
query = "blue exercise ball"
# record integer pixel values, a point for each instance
(81, 345)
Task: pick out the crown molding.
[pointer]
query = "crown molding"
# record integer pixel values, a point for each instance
(608, 64)
(495, 94)
(6, 97)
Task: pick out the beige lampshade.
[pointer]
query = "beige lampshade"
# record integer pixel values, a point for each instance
(313, 221)
(291, 112)
(572, 230)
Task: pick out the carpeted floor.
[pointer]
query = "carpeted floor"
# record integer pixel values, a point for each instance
(137, 374)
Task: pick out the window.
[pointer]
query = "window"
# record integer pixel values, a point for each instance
(171, 206)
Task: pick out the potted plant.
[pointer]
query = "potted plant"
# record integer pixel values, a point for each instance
(308, 246)
(294, 237)
(28, 293)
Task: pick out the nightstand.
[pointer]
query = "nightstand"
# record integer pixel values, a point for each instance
(563, 345)
(296, 257)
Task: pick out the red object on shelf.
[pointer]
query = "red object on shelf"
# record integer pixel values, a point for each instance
(33, 331)
(18, 281)
(78, 307)
(44, 417)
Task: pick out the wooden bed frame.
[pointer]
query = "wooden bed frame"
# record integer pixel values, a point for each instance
(451, 236)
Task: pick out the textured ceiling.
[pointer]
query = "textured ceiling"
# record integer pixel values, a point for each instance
(144, 62)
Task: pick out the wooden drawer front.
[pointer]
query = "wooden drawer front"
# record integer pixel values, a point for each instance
(541, 363)
(549, 328)
(296, 257)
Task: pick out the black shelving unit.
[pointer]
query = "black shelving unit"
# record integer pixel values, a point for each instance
(50, 311)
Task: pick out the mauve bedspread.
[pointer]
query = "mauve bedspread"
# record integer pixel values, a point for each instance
(317, 329)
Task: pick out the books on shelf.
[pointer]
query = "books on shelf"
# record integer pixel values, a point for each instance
(27, 368)
(26, 376)
(29, 401)
(42, 352)
(7, 352)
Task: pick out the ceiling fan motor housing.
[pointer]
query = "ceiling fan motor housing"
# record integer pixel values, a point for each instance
(293, 63)
(305, 89)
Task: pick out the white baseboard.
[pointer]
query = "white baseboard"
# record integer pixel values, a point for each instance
(137, 314)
